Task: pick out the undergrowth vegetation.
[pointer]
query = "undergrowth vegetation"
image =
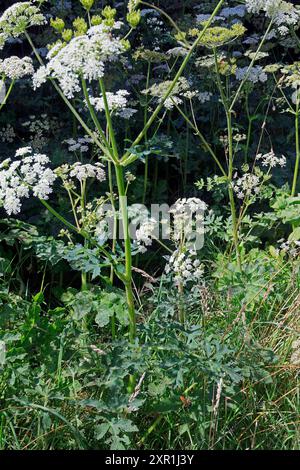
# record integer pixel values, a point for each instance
(150, 230)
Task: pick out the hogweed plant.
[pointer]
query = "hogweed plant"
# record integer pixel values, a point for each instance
(154, 106)
(76, 65)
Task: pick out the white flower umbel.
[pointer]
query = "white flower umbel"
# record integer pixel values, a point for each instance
(27, 173)
(144, 234)
(204, 96)
(81, 144)
(270, 160)
(230, 12)
(159, 90)
(82, 171)
(270, 7)
(188, 219)
(247, 185)
(281, 12)
(184, 267)
(117, 103)
(17, 18)
(7, 134)
(15, 68)
(255, 74)
(84, 56)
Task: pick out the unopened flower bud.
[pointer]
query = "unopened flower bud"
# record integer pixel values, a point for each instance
(58, 24)
(133, 18)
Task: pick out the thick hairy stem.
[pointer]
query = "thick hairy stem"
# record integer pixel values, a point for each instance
(127, 278)
(181, 309)
(296, 169)
(128, 258)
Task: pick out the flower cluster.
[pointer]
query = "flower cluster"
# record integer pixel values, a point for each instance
(290, 247)
(144, 234)
(291, 78)
(39, 129)
(15, 68)
(238, 11)
(270, 7)
(132, 5)
(81, 172)
(255, 74)
(7, 134)
(204, 96)
(218, 36)
(84, 56)
(188, 218)
(160, 90)
(79, 145)
(29, 172)
(17, 18)
(117, 104)
(283, 13)
(270, 160)
(246, 186)
(184, 267)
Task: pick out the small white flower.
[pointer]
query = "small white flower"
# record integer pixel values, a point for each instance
(255, 74)
(24, 175)
(82, 172)
(15, 68)
(270, 159)
(83, 57)
(23, 151)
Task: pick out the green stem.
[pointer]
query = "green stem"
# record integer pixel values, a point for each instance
(93, 114)
(128, 257)
(202, 138)
(296, 169)
(127, 278)
(146, 140)
(113, 248)
(181, 309)
(228, 112)
(230, 190)
(86, 243)
(109, 123)
(249, 130)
